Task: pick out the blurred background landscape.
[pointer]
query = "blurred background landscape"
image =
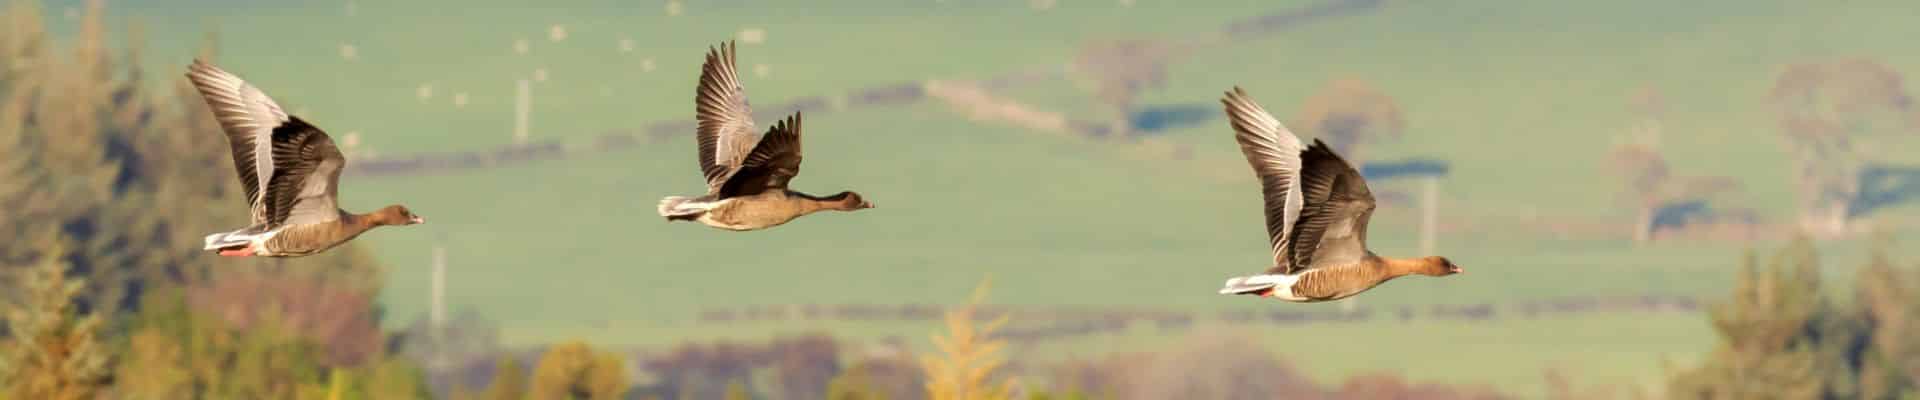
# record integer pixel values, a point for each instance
(1708, 200)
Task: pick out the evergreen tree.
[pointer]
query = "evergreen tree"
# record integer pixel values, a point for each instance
(53, 352)
(133, 196)
(1783, 337)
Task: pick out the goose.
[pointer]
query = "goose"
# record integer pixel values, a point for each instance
(290, 170)
(747, 174)
(1317, 207)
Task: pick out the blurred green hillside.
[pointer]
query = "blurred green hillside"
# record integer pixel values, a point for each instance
(1523, 98)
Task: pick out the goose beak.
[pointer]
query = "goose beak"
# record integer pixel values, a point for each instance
(866, 205)
(417, 220)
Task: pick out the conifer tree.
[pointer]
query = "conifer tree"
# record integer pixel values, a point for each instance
(53, 352)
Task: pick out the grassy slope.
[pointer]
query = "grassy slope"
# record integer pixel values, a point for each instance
(571, 248)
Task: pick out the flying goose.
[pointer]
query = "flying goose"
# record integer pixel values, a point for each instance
(1317, 208)
(291, 173)
(747, 174)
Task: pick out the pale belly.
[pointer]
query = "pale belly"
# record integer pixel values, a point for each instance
(740, 224)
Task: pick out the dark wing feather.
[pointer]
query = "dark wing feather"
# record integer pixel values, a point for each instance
(725, 129)
(772, 164)
(247, 116)
(306, 169)
(1338, 205)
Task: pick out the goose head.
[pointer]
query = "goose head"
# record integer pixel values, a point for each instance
(849, 201)
(1439, 266)
(398, 215)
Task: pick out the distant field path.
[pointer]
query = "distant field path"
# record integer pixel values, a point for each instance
(895, 94)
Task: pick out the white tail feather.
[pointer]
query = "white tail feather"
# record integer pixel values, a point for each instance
(238, 238)
(227, 239)
(1251, 284)
(670, 205)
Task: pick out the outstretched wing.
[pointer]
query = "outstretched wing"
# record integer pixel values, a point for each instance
(306, 176)
(1333, 226)
(725, 129)
(249, 117)
(1274, 153)
(772, 164)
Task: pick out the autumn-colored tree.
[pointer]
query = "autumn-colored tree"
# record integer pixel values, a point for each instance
(880, 377)
(1830, 114)
(509, 381)
(737, 391)
(969, 360)
(854, 384)
(180, 351)
(54, 351)
(574, 370)
(1348, 114)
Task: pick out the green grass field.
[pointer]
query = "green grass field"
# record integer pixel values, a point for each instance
(1522, 97)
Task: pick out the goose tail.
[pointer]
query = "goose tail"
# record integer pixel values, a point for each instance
(224, 240)
(1249, 284)
(670, 207)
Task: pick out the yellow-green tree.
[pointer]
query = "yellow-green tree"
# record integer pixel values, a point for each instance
(738, 391)
(177, 351)
(968, 360)
(53, 352)
(853, 384)
(509, 381)
(574, 370)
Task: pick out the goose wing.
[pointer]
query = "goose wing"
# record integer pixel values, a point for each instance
(1274, 153)
(306, 176)
(1332, 230)
(725, 129)
(772, 163)
(249, 118)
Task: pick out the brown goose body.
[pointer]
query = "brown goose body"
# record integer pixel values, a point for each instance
(768, 209)
(747, 174)
(290, 171)
(1342, 281)
(305, 240)
(1317, 209)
